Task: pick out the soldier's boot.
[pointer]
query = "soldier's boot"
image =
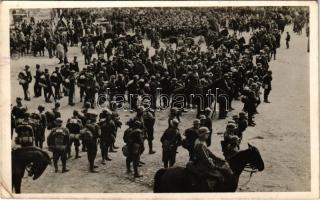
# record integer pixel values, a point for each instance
(55, 163)
(128, 166)
(136, 172)
(150, 148)
(77, 152)
(64, 166)
(92, 168)
(107, 154)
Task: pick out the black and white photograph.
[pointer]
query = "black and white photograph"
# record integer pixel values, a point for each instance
(161, 99)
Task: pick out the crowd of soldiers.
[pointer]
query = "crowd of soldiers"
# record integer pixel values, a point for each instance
(124, 72)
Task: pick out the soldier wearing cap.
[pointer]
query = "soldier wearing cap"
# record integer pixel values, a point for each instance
(25, 79)
(229, 134)
(267, 86)
(206, 121)
(165, 88)
(149, 119)
(249, 99)
(45, 82)
(90, 90)
(174, 114)
(75, 64)
(242, 124)
(19, 109)
(171, 140)
(42, 127)
(71, 87)
(56, 80)
(135, 147)
(37, 87)
(288, 37)
(58, 141)
(52, 115)
(205, 163)
(90, 134)
(191, 134)
(81, 82)
(108, 134)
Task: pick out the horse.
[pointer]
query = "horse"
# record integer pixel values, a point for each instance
(31, 158)
(179, 179)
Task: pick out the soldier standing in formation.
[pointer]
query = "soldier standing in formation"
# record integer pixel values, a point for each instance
(133, 137)
(170, 140)
(149, 121)
(58, 142)
(266, 80)
(25, 79)
(74, 125)
(90, 135)
(42, 127)
(108, 129)
(37, 87)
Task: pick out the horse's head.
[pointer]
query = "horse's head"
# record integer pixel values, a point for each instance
(40, 164)
(32, 158)
(255, 159)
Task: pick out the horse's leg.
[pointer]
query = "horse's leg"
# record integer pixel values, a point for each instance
(16, 182)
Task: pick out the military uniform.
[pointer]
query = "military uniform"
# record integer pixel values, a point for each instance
(170, 140)
(45, 82)
(70, 85)
(42, 127)
(56, 80)
(267, 86)
(24, 79)
(74, 125)
(135, 147)
(58, 141)
(89, 134)
(108, 136)
(149, 121)
(37, 87)
(191, 134)
(25, 132)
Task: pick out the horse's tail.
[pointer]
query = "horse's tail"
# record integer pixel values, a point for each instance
(157, 179)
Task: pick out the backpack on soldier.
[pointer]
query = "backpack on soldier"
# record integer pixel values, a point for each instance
(86, 135)
(25, 134)
(74, 129)
(73, 126)
(59, 139)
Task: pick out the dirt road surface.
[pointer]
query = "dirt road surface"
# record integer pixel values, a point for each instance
(282, 134)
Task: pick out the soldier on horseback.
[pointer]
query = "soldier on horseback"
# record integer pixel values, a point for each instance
(231, 142)
(205, 164)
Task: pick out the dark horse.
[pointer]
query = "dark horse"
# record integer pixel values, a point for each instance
(33, 159)
(179, 179)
